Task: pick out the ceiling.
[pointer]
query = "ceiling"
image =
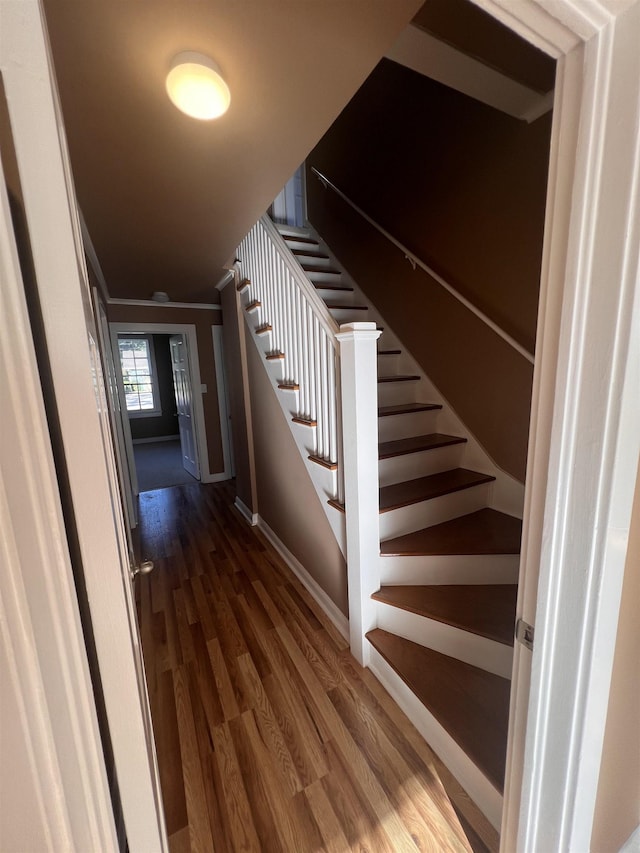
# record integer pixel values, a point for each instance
(166, 198)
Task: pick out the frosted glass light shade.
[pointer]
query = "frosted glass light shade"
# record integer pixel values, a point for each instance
(196, 87)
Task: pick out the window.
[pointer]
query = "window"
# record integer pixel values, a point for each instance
(139, 375)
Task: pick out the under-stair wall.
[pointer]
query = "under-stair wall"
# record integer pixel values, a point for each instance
(463, 187)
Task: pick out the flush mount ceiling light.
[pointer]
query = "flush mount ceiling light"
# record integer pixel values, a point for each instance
(196, 87)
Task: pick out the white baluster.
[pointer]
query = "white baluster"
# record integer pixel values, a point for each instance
(333, 426)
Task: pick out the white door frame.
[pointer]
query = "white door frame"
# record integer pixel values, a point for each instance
(585, 424)
(189, 332)
(65, 303)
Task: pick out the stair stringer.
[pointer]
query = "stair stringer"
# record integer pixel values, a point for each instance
(506, 493)
(323, 479)
(472, 779)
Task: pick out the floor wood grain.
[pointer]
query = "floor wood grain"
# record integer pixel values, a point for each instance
(269, 734)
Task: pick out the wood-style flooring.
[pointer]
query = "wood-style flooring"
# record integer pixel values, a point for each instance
(269, 734)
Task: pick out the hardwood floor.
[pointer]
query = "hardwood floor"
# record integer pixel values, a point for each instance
(269, 734)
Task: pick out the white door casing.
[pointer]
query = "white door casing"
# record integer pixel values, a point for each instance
(585, 421)
(184, 403)
(76, 376)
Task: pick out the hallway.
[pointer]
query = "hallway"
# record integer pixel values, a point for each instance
(285, 743)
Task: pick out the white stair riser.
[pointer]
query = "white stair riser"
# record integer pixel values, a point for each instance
(348, 315)
(474, 782)
(478, 651)
(407, 519)
(314, 260)
(388, 365)
(336, 297)
(450, 569)
(398, 469)
(392, 427)
(394, 393)
(324, 277)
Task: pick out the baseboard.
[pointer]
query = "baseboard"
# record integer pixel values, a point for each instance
(245, 512)
(320, 596)
(632, 844)
(475, 783)
(152, 439)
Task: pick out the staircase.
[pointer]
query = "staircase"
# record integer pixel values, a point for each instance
(442, 636)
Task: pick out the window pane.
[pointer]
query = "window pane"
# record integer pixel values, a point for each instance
(135, 359)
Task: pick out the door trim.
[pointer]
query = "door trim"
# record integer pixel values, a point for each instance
(189, 331)
(65, 304)
(223, 402)
(585, 429)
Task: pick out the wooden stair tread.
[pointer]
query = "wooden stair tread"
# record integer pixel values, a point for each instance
(488, 610)
(486, 531)
(333, 307)
(399, 377)
(313, 269)
(425, 488)
(294, 238)
(406, 409)
(310, 253)
(327, 285)
(470, 703)
(389, 352)
(402, 446)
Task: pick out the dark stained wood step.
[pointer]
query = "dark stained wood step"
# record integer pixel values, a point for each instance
(471, 704)
(275, 356)
(327, 285)
(417, 443)
(389, 351)
(484, 532)
(406, 409)
(312, 268)
(293, 238)
(310, 253)
(252, 306)
(263, 329)
(488, 610)
(242, 285)
(400, 377)
(433, 486)
(334, 307)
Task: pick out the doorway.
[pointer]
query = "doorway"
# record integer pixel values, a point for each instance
(160, 389)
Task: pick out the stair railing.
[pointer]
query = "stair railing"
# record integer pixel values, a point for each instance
(303, 337)
(334, 370)
(415, 261)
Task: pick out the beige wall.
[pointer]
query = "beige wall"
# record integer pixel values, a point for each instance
(463, 187)
(618, 803)
(203, 320)
(237, 398)
(287, 500)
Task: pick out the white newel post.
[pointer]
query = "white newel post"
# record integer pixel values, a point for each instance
(359, 381)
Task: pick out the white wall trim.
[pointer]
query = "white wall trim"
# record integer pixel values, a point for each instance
(585, 415)
(243, 509)
(189, 331)
(39, 621)
(632, 844)
(313, 587)
(150, 303)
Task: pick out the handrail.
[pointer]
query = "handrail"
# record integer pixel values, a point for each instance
(415, 261)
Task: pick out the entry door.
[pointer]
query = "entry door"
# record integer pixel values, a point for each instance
(184, 403)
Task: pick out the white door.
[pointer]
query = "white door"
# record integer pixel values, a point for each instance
(93, 505)
(184, 403)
